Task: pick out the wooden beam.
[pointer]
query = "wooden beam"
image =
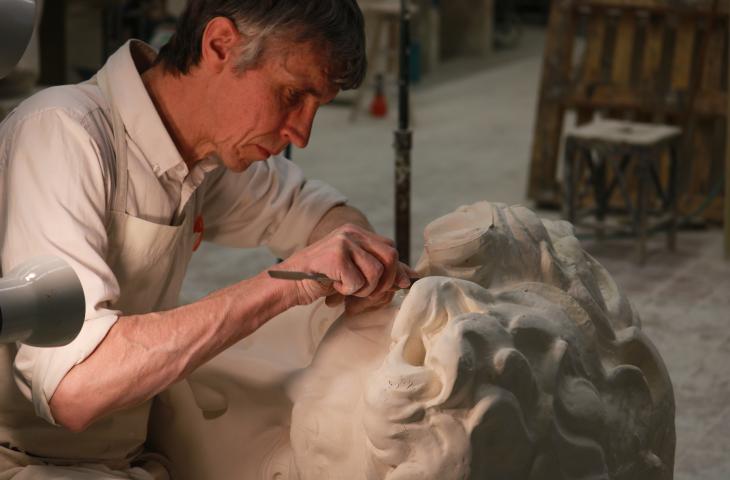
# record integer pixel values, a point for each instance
(684, 50)
(557, 62)
(624, 49)
(694, 7)
(590, 72)
(707, 103)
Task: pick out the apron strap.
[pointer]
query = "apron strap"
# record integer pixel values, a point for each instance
(120, 173)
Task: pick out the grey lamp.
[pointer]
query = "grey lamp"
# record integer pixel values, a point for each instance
(17, 18)
(41, 301)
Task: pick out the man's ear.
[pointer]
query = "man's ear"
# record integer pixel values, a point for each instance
(220, 39)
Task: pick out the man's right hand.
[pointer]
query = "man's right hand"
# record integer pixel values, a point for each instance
(361, 263)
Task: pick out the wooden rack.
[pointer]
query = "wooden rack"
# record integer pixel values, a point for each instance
(659, 61)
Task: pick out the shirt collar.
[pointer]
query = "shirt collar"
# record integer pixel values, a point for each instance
(139, 115)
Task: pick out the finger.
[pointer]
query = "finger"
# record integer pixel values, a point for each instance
(344, 270)
(404, 275)
(412, 273)
(307, 291)
(370, 268)
(355, 306)
(334, 300)
(389, 259)
(386, 254)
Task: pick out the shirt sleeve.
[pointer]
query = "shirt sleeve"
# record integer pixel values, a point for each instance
(55, 204)
(270, 203)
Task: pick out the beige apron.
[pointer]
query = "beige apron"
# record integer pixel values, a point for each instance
(149, 261)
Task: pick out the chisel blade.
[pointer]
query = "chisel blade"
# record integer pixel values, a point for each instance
(320, 277)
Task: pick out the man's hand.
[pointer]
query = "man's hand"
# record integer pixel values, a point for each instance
(363, 265)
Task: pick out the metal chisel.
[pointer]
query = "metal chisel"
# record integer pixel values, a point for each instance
(320, 277)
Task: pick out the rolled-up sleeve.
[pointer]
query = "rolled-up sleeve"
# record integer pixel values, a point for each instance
(270, 203)
(54, 203)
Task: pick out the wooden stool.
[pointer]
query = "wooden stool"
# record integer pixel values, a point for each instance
(613, 151)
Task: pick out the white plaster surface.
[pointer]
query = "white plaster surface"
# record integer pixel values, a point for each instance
(517, 357)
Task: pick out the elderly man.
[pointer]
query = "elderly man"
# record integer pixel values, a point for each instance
(124, 174)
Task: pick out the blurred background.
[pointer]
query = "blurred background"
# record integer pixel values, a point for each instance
(610, 113)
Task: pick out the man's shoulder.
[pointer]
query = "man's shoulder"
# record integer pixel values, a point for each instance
(66, 123)
(79, 103)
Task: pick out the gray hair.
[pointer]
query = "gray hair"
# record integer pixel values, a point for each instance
(336, 27)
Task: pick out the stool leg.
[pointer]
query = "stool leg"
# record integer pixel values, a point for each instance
(641, 206)
(569, 186)
(673, 193)
(599, 189)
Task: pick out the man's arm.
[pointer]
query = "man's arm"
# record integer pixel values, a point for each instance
(336, 217)
(144, 354)
(116, 363)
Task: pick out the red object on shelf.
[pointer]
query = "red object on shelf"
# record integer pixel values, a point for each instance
(379, 105)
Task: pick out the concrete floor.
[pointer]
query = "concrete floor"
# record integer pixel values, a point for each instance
(473, 130)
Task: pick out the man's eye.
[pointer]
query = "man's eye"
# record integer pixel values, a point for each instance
(293, 97)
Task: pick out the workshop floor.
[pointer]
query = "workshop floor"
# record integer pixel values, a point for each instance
(472, 134)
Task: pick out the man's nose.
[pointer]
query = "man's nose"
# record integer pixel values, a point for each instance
(298, 126)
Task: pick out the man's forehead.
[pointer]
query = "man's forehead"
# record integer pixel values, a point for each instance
(307, 66)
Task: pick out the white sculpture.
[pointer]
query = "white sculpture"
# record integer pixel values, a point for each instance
(516, 358)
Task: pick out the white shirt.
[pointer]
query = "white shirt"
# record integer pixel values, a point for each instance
(55, 194)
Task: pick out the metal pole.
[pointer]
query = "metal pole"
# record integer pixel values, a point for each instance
(727, 166)
(403, 142)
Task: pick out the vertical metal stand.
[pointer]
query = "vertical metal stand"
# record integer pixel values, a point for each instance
(403, 143)
(727, 169)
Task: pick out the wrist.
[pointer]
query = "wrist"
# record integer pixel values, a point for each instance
(285, 292)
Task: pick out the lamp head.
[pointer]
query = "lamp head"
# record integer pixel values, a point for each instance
(41, 303)
(17, 18)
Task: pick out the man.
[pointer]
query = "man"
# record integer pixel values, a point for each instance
(123, 175)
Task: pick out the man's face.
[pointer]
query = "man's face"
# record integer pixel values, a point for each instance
(257, 113)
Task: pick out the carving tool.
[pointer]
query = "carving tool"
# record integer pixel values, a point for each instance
(320, 277)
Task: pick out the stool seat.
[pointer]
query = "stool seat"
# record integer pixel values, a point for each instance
(615, 154)
(617, 132)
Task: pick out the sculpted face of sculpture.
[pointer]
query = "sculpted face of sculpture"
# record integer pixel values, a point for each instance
(517, 357)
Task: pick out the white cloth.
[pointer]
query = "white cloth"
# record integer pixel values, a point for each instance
(55, 185)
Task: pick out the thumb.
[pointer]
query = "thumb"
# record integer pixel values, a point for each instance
(334, 300)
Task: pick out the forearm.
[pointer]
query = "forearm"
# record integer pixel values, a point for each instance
(336, 217)
(144, 354)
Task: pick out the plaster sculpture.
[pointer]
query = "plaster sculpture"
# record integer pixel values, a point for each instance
(516, 358)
